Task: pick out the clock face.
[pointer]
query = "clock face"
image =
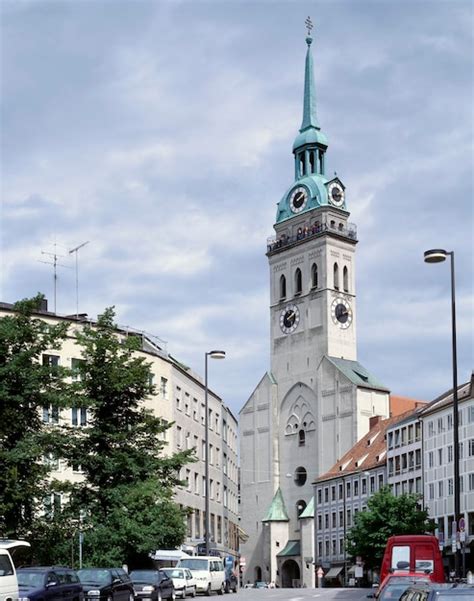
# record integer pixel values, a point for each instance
(298, 199)
(341, 313)
(289, 319)
(336, 194)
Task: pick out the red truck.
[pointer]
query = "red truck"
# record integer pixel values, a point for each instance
(413, 553)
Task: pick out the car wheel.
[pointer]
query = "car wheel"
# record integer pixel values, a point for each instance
(208, 590)
(193, 594)
(221, 590)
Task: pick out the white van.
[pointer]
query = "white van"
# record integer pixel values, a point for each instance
(208, 573)
(8, 580)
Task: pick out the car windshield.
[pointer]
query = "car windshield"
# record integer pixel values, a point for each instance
(144, 576)
(174, 573)
(101, 577)
(30, 579)
(394, 591)
(194, 564)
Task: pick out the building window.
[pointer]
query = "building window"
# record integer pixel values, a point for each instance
(164, 387)
(380, 480)
(348, 490)
(282, 287)
(50, 360)
(345, 279)
(356, 488)
(298, 281)
(333, 517)
(79, 416)
(326, 495)
(364, 486)
(440, 456)
(320, 522)
(372, 484)
(50, 415)
(314, 276)
(301, 438)
(326, 520)
(341, 491)
(300, 476)
(431, 491)
(319, 496)
(333, 493)
(430, 459)
(336, 276)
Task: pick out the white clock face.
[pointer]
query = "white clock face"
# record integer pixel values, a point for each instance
(341, 313)
(336, 194)
(298, 199)
(289, 319)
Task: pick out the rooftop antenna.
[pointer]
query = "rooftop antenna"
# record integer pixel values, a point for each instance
(76, 250)
(309, 25)
(55, 265)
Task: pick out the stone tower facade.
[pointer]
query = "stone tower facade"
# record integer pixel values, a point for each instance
(316, 400)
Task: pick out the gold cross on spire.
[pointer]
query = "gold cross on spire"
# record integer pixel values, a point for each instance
(309, 25)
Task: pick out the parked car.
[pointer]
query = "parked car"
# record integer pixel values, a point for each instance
(8, 577)
(413, 553)
(231, 583)
(441, 592)
(183, 581)
(152, 585)
(394, 585)
(208, 572)
(106, 584)
(49, 584)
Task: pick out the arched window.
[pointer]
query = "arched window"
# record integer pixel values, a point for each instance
(301, 476)
(298, 281)
(314, 275)
(341, 227)
(345, 279)
(282, 287)
(301, 438)
(300, 507)
(336, 276)
(311, 161)
(302, 164)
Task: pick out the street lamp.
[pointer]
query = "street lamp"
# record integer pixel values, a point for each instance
(213, 355)
(438, 255)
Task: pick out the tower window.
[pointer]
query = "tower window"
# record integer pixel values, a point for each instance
(336, 276)
(301, 438)
(282, 287)
(302, 164)
(298, 281)
(311, 161)
(301, 476)
(345, 279)
(300, 507)
(314, 275)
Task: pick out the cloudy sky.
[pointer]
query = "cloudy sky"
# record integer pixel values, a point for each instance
(161, 132)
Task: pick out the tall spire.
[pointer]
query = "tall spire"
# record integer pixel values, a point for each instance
(309, 107)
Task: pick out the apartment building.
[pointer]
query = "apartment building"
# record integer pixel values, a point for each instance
(404, 455)
(179, 399)
(438, 461)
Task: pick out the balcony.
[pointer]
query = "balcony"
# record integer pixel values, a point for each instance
(275, 244)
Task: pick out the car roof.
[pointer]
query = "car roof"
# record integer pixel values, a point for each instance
(6, 543)
(43, 568)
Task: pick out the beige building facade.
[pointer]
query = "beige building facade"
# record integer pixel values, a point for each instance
(179, 399)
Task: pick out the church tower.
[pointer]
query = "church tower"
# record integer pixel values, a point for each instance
(316, 400)
(311, 257)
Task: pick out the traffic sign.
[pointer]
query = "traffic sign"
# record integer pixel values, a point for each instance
(320, 572)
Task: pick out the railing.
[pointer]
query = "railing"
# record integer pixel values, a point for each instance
(274, 243)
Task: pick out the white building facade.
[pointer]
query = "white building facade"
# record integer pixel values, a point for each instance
(438, 456)
(404, 456)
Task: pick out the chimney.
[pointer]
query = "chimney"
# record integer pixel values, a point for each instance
(374, 420)
(44, 305)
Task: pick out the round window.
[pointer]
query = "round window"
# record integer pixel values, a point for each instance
(300, 476)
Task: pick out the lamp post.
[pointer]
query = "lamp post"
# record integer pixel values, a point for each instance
(438, 255)
(213, 355)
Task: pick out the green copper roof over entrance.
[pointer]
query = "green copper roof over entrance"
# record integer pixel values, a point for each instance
(309, 510)
(277, 511)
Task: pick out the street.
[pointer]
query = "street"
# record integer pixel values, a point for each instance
(294, 594)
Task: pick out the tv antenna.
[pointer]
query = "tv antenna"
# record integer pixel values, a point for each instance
(76, 250)
(55, 265)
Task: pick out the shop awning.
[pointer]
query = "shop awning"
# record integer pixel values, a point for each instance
(333, 572)
(292, 548)
(169, 555)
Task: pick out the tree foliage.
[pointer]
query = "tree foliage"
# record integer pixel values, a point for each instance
(125, 499)
(386, 515)
(27, 385)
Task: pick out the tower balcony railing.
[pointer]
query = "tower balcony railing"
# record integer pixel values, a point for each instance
(275, 243)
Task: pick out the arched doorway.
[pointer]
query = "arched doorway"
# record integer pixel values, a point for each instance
(290, 571)
(258, 573)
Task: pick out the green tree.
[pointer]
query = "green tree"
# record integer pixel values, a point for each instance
(386, 515)
(28, 385)
(126, 498)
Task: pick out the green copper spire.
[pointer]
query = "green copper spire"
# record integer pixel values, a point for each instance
(277, 510)
(309, 107)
